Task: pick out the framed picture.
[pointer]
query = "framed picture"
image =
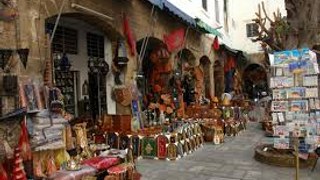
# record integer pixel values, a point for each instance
(180, 149)
(172, 151)
(149, 147)
(113, 140)
(136, 146)
(162, 146)
(125, 142)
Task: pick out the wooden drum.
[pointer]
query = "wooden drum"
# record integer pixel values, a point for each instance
(119, 172)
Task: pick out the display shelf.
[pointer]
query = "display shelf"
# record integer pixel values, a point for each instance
(294, 107)
(66, 81)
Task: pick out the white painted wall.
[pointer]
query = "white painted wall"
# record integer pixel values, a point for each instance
(79, 61)
(241, 12)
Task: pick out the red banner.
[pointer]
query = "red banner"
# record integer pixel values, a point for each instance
(129, 35)
(175, 39)
(215, 44)
(24, 144)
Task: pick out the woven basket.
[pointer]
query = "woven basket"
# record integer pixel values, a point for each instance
(123, 95)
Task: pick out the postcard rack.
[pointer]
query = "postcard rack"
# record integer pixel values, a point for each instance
(295, 107)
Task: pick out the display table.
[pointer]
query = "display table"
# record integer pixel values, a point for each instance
(73, 175)
(89, 167)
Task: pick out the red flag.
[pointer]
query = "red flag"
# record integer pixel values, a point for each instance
(24, 144)
(175, 39)
(128, 33)
(215, 43)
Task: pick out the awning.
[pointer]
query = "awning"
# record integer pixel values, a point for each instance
(173, 10)
(157, 3)
(204, 27)
(177, 12)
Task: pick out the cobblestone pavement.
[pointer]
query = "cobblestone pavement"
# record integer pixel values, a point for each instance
(232, 160)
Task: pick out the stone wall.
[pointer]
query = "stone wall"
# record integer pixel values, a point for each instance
(28, 30)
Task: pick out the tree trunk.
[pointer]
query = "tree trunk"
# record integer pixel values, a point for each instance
(303, 17)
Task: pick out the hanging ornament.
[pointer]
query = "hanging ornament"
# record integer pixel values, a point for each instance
(23, 55)
(18, 168)
(3, 173)
(215, 44)
(24, 144)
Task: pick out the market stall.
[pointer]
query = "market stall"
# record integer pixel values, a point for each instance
(294, 122)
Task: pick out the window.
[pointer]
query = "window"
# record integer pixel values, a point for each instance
(95, 45)
(226, 15)
(216, 4)
(64, 40)
(205, 5)
(252, 30)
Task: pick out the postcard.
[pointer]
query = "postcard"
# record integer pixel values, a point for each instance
(310, 81)
(279, 105)
(281, 131)
(296, 92)
(279, 94)
(281, 143)
(280, 82)
(299, 105)
(311, 92)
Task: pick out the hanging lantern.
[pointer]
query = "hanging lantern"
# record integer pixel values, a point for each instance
(122, 58)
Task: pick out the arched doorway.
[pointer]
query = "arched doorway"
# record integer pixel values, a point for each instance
(205, 64)
(85, 45)
(154, 67)
(255, 81)
(184, 58)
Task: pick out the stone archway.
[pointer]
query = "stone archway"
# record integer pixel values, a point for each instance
(205, 64)
(92, 39)
(154, 67)
(218, 78)
(255, 80)
(184, 58)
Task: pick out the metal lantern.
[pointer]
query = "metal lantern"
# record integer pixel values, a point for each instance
(98, 65)
(122, 58)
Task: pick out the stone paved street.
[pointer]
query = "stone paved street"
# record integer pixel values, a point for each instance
(232, 160)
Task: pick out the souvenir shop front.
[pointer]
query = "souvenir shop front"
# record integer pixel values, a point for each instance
(85, 120)
(41, 136)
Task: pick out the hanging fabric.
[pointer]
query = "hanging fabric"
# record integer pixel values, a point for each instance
(24, 144)
(175, 39)
(215, 44)
(23, 55)
(127, 31)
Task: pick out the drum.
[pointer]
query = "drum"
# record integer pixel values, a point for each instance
(119, 172)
